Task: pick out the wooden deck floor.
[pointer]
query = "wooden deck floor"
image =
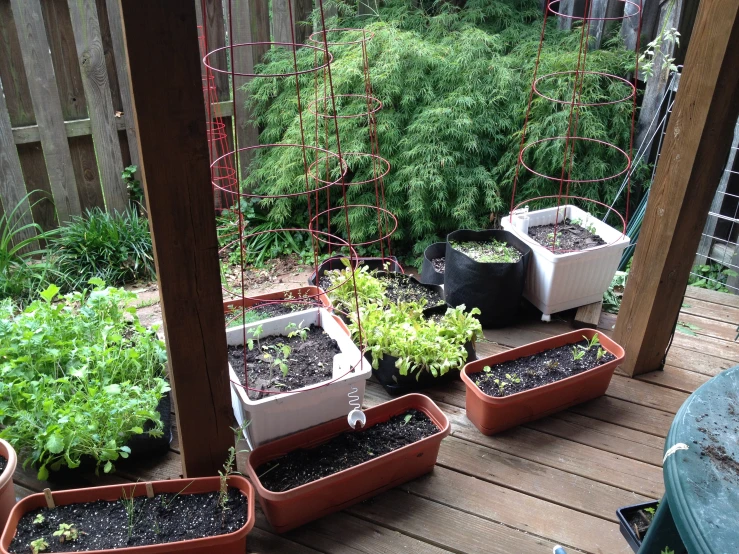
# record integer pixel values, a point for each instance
(558, 480)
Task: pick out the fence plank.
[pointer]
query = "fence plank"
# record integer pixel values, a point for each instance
(86, 170)
(15, 84)
(250, 24)
(74, 128)
(47, 106)
(12, 187)
(37, 178)
(100, 104)
(121, 66)
(281, 20)
(215, 34)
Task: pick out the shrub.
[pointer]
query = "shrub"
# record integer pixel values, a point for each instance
(78, 378)
(454, 85)
(115, 248)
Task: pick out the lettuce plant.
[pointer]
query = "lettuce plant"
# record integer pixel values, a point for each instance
(79, 376)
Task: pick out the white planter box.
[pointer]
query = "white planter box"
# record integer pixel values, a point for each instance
(558, 282)
(277, 415)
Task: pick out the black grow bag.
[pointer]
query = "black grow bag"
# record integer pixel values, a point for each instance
(438, 289)
(428, 273)
(337, 263)
(144, 445)
(494, 288)
(396, 384)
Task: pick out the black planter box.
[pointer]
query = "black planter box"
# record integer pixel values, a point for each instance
(623, 520)
(428, 273)
(337, 263)
(495, 288)
(145, 446)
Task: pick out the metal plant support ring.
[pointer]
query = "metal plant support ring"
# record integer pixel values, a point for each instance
(379, 160)
(581, 104)
(583, 17)
(212, 53)
(366, 36)
(564, 179)
(381, 213)
(374, 106)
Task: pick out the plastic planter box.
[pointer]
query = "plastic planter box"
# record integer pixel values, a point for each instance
(277, 415)
(279, 297)
(231, 543)
(494, 288)
(7, 490)
(492, 414)
(290, 509)
(558, 282)
(626, 530)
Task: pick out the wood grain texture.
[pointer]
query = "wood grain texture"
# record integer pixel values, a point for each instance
(12, 74)
(47, 106)
(588, 316)
(12, 187)
(121, 66)
(94, 70)
(37, 179)
(283, 31)
(215, 29)
(162, 40)
(696, 145)
(82, 150)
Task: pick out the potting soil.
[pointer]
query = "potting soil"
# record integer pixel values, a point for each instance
(438, 264)
(400, 288)
(639, 521)
(540, 369)
(570, 236)
(489, 251)
(3, 464)
(309, 361)
(104, 525)
(349, 449)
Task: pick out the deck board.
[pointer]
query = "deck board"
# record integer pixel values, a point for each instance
(557, 480)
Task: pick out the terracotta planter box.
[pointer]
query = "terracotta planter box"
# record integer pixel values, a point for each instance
(312, 292)
(231, 543)
(495, 414)
(290, 509)
(7, 490)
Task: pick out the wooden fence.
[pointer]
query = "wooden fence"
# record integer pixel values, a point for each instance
(66, 119)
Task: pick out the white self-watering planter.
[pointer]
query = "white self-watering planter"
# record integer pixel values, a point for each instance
(277, 415)
(558, 282)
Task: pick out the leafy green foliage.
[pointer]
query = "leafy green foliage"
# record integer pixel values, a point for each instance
(134, 188)
(454, 85)
(23, 271)
(614, 295)
(79, 376)
(113, 247)
(711, 276)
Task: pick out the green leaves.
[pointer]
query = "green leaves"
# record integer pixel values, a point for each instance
(78, 377)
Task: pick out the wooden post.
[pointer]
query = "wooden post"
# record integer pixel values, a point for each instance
(693, 157)
(164, 66)
(281, 20)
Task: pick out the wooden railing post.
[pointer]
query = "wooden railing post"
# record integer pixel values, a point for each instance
(164, 65)
(693, 157)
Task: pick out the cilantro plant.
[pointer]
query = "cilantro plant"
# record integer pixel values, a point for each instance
(79, 376)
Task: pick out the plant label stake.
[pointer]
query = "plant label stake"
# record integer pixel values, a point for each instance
(49, 499)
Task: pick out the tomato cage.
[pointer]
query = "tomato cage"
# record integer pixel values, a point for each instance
(576, 240)
(310, 176)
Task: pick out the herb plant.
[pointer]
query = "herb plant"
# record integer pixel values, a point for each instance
(492, 251)
(79, 376)
(67, 532)
(39, 545)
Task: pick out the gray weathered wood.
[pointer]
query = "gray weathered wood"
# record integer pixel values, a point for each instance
(704, 248)
(12, 187)
(574, 8)
(367, 7)
(597, 10)
(47, 106)
(657, 83)
(74, 128)
(281, 20)
(251, 26)
(83, 14)
(588, 316)
(121, 67)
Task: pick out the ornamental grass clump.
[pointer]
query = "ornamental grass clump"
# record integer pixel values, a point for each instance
(79, 376)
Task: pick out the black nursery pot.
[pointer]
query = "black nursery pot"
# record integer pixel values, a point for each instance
(623, 520)
(495, 288)
(438, 289)
(336, 263)
(428, 273)
(396, 384)
(145, 446)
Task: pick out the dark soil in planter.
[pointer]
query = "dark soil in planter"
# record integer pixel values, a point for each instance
(438, 264)
(349, 449)
(401, 288)
(310, 361)
(264, 310)
(536, 370)
(3, 464)
(491, 251)
(639, 521)
(104, 525)
(570, 236)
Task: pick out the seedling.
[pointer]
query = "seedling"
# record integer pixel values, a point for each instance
(39, 545)
(487, 369)
(577, 353)
(601, 352)
(67, 532)
(651, 510)
(129, 505)
(502, 384)
(406, 419)
(255, 332)
(513, 378)
(279, 357)
(39, 519)
(297, 331)
(552, 364)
